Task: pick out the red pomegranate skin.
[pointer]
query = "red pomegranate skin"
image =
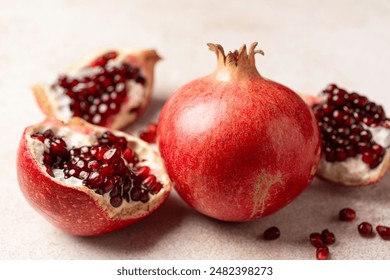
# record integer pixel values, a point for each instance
(69, 209)
(238, 147)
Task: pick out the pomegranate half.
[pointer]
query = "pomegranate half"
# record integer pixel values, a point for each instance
(110, 88)
(88, 180)
(238, 146)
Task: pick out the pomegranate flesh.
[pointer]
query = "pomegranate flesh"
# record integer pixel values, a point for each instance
(238, 146)
(111, 89)
(355, 136)
(88, 180)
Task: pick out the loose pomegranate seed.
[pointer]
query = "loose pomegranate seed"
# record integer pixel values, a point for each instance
(316, 239)
(271, 233)
(365, 228)
(107, 167)
(149, 135)
(98, 92)
(328, 237)
(322, 253)
(347, 214)
(342, 135)
(384, 232)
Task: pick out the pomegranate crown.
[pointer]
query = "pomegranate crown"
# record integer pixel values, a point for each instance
(236, 64)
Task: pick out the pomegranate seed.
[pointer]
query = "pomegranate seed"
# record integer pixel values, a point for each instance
(365, 228)
(378, 150)
(384, 232)
(150, 134)
(347, 214)
(143, 172)
(150, 180)
(271, 233)
(322, 253)
(316, 239)
(116, 201)
(328, 237)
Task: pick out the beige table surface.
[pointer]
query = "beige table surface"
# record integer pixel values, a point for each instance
(307, 45)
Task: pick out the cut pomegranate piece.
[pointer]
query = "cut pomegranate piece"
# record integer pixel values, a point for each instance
(271, 233)
(384, 232)
(347, 215)
(355, 137)
(110, 89)
(88, 180)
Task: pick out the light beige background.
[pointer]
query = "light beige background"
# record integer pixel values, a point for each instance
(307, 45)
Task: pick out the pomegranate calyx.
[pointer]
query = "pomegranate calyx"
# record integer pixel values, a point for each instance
(235, 65)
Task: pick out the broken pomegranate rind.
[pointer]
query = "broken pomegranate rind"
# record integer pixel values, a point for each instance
(355, 137)
(110, 89)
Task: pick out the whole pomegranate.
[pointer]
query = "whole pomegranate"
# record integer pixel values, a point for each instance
(88, 180)
(236, 145)
(110, 88)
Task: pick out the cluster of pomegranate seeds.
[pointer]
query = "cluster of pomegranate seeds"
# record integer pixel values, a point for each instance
(149, 135)
(321, 241)
(271, 233)
(365, 229)
(383, 232)
(344, 119)
(110, 166)
(97, 92)
(347, 215)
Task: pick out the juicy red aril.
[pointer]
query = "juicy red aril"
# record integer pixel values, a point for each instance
(271, 233)
(347, 214)
(109, 166)
(328, 237)
(316, 239)
(340, 120)
(322, 253)
(99, 90)
(384, 232)
(149, 135)
(365, 228)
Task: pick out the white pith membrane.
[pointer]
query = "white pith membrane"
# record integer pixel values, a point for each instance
(147, 157)
(136, 93)
(353, 171)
